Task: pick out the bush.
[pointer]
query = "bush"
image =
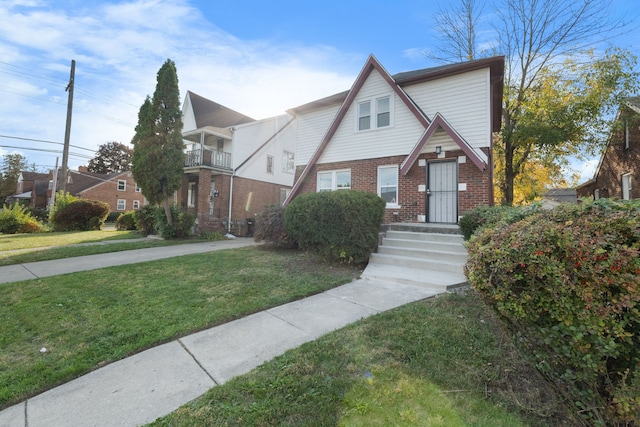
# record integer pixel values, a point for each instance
(270, 229)
(145, 219)
(126, 221)
(487, 216)
(339, 225)
(17, 219)
(40, 214)
(80, 215)
(62, 200)
(183, 223)
(567, 282)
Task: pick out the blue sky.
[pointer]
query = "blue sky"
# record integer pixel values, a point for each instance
(257, 57)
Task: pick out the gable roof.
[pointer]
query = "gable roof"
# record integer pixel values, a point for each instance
(209, 113)
(496, 65)
(82, 181)
(33, 176)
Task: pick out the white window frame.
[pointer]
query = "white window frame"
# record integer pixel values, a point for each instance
(121, 205)
(136, 205)
(191, 195)
(269, 164)
(374, 112)
(626, 135)
(122, 185)
(288, 162)
(626, 185)
(334, 180)
(391, 204)
(137, 189)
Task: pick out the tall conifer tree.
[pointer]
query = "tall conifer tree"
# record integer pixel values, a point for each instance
(158, 157)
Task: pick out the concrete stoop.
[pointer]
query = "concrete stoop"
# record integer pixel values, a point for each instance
(419, 256)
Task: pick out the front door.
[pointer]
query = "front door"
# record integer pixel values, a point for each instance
(442, 191)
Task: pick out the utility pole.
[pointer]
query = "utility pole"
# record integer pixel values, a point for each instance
(52, 201)
(67, 133)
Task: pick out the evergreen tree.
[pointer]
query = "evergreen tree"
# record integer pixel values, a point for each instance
(158, 157)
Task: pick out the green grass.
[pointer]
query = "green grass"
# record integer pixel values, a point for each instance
(88, 319)
(438, 362)
(22, 248)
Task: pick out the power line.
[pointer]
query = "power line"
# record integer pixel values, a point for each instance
(47, 142)
(45, 150)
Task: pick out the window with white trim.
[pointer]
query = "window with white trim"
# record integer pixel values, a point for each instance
(136, 205)
(388, 184)
(138, 189)
(288, 162)
(334, 180)
(626, 135)
(122, 185)
(191, 195)
(122, 205)
(378, 108)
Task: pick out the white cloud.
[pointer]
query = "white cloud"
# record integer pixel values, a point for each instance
(119, 48)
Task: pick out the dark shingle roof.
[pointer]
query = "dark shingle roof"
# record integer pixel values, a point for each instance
(209, 113)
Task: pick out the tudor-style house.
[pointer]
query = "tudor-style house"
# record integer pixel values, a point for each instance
(422, 140)
(620, 161)
(235, 166)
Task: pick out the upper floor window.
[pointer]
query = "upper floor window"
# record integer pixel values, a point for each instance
(334, 180)
(626, 135)
(287, 162)
(122, 205)
(379, 108)
(122, 185)
(269, 164)
(138, 189)
(388, 184)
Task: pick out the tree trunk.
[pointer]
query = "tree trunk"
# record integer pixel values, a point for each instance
(167, 207)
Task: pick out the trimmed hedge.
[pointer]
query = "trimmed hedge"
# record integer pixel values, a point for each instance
(126, 221)
(567, 283)
(339, 225)
(80, 215)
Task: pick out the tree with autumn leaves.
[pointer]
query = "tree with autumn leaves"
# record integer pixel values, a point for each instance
(158, 157)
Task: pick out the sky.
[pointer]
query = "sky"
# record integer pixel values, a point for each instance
(258, 57)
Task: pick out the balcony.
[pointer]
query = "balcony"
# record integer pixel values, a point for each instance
(209, 158)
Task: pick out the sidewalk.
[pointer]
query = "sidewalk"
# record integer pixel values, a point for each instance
(154, 383)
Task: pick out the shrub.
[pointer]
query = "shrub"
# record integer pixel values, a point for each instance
(145, 219)
(113, 216)
(17, 219)
(270, 229)
(80, 215)
(126, 221)
(567, 282)
(40, 214)
(183, 223)
(339, 225)
(487, 216)
(62, 200)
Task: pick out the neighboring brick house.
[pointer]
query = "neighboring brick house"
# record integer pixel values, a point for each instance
(620, 162)
(118, 189)
(235, 166)
(422, 140)
(31, 190)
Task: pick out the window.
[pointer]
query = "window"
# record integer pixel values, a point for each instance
(191, 195)
(284, 193)
(122, 185)
(287, 162)
(388, 184)
(122, 205)
(270, 164)
(220, 144)
(334, 180)
(136, 204)
(626, 186)
(138, 189)
(380, 108)
(383, 112)
(364, 115)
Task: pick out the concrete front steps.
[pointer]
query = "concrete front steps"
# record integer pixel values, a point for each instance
(419, 254)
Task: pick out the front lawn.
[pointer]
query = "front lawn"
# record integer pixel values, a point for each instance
(85, 320)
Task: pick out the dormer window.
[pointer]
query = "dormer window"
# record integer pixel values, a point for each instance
(378, 108)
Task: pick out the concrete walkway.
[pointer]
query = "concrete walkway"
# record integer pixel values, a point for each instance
(154, 383)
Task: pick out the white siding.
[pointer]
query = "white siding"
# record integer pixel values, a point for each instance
(249, 137)
(463, 100)
(188, 118)
(312, 127)
(398, 139)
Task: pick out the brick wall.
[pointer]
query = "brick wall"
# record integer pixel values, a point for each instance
(617, 161)
(364, 177)
(108, 192)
